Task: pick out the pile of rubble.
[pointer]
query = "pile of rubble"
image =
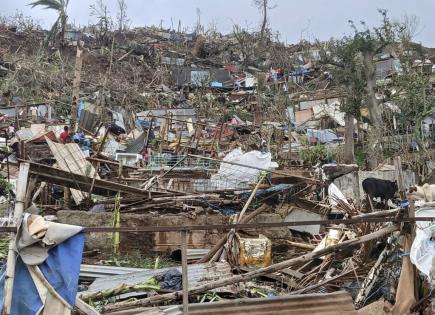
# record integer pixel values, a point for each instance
(246, 201)
(249, 228)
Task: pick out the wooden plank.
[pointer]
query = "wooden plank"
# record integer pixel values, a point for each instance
(85, 308)
(59, 177)
(293, 273)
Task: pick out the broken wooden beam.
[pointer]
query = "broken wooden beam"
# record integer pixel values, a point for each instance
(57, 176)
(301, 245)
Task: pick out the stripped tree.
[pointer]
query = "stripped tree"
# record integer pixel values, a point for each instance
(263, 6)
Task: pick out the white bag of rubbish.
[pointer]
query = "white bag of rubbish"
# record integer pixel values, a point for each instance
(240, 173)
(335, 194)
(423, 248)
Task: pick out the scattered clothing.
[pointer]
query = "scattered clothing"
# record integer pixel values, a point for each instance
(64, 136)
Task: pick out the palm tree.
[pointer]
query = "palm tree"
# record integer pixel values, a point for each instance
(59, 6)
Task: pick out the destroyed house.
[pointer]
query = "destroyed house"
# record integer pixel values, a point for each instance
(197, 77)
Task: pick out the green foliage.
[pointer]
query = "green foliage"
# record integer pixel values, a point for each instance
(344, 63)
(413, 98)
(60, 23)
(138, 261)
(350, 59)
(7, 187)
(314, 154)
(209, 297)
(4, 246)
(360, 156)
(57, 5)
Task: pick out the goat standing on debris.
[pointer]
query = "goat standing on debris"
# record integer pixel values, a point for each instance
(425, 192)
(381, 188)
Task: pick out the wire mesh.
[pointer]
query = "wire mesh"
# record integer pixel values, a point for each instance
(218, 175)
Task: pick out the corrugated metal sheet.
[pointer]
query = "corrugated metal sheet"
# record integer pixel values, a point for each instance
(193, 254)
(111, 147)
(8, 111)
(200, 77)
(70, 158)
(385, 68)
(331, 110)
(137, 145)
(99, 271)
(24, 134)
(176, 113)
(197, 273)
(172, 61)
(88, 120)
(310, 304)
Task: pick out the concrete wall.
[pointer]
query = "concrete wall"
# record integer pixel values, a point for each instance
(162, 241)
(351, 184)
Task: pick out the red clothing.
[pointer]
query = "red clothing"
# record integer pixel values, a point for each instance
(64, 136)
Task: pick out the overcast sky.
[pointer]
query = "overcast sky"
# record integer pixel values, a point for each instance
(307, 19)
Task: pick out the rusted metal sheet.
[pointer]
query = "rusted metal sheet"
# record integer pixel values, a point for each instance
(325, 304)
(255, 252)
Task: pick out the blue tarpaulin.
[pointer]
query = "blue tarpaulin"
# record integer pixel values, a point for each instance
(61, 269)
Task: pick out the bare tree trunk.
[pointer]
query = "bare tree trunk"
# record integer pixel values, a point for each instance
(63, 19)
(375, 112)
(258, 111)
(349, 152)
(263, 25)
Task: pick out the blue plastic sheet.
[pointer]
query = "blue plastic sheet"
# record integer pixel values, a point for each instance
(61, 269)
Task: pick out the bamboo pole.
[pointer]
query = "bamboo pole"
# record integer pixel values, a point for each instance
(251, 197)
(240, 217)
(11, 260)
(253, 274)
(382, 213)
(184, 272)
(223, 240)
(76, 89)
